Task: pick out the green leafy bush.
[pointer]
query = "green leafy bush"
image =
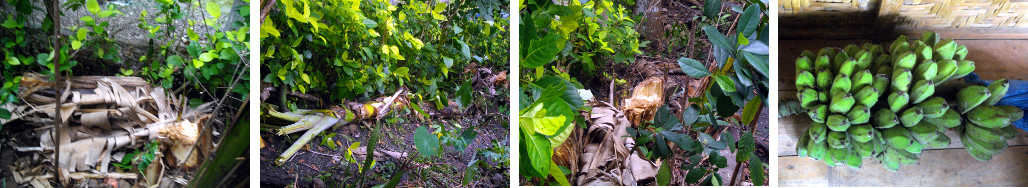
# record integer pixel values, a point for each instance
(368, 47)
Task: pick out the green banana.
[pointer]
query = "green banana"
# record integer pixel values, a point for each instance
(927, 70)
(945, 49)
(804, 64)
(961, 52)
(808, 98)
(970, 97)
(805, 79)
(816, 150)
(867, 96)
(946, 69)
(989, 116)
(905, 60)
(989, 135)
(964, 67)
(949, 119)
(823, 97)
(897, 137)
(939, 142)
(881, 83)
(921, 91)
(823, 62)
(885, 118)
(837, 122)
(863, 149)
(842, 84)
(929, 38)
(817, 132)
(983, 151)
(809, 55)
(859, 114)
(824, 78)
(934, 107)
(851, 49)
(854, 160)
(801, 145)
(911, 116)
(901, 80)
(924, 131)
(890, 160)
(923, 52)
(998, 89)
(847, 67)
(915, 148)
(899, 42)
(818, 113)
(861, 133)
(838, 140)
(830, 52)
(861, 79)
(841, 102)
(898, 100)
(864, 59)
(1015, 112)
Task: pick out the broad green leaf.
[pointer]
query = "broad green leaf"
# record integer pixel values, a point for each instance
(206, 57)
(746, 147)
(711, 8)
(692, 67)
(10, 23)
(4, 114)
(268, 29)
(725, 83)
(682, 140)
(665, 119)
(466, 138)
(214, 9)
(198, 63)
(427, 143)
(76, 44)
(664, 175)
(759, 62)
(465, 49)
(88, 20)
(750, 111)
(749, 20)
(718, 39)
(538, 152)
(718, 160)
(558, 175)
(542, 51)
(757, 171)
(694, 175)
(370, 24)
(174, 60)
(729, 139)
(690, 114)
(92, 6)
(470, 173)
(82, 33)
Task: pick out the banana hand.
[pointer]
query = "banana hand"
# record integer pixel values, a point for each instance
(1016, 95)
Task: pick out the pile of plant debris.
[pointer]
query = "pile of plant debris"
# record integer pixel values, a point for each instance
(109, 127)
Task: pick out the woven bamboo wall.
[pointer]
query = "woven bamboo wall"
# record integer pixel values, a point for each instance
(923, 13)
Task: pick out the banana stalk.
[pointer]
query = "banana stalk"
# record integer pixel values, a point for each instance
(317, 121)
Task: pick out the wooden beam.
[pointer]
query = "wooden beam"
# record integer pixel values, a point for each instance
(947, 167)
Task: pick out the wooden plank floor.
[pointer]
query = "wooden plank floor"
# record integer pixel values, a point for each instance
(948, 166)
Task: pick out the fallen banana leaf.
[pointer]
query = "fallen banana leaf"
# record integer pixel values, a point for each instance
(104, 115)
(607, 159)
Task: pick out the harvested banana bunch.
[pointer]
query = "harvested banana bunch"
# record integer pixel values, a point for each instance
(874, 101)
